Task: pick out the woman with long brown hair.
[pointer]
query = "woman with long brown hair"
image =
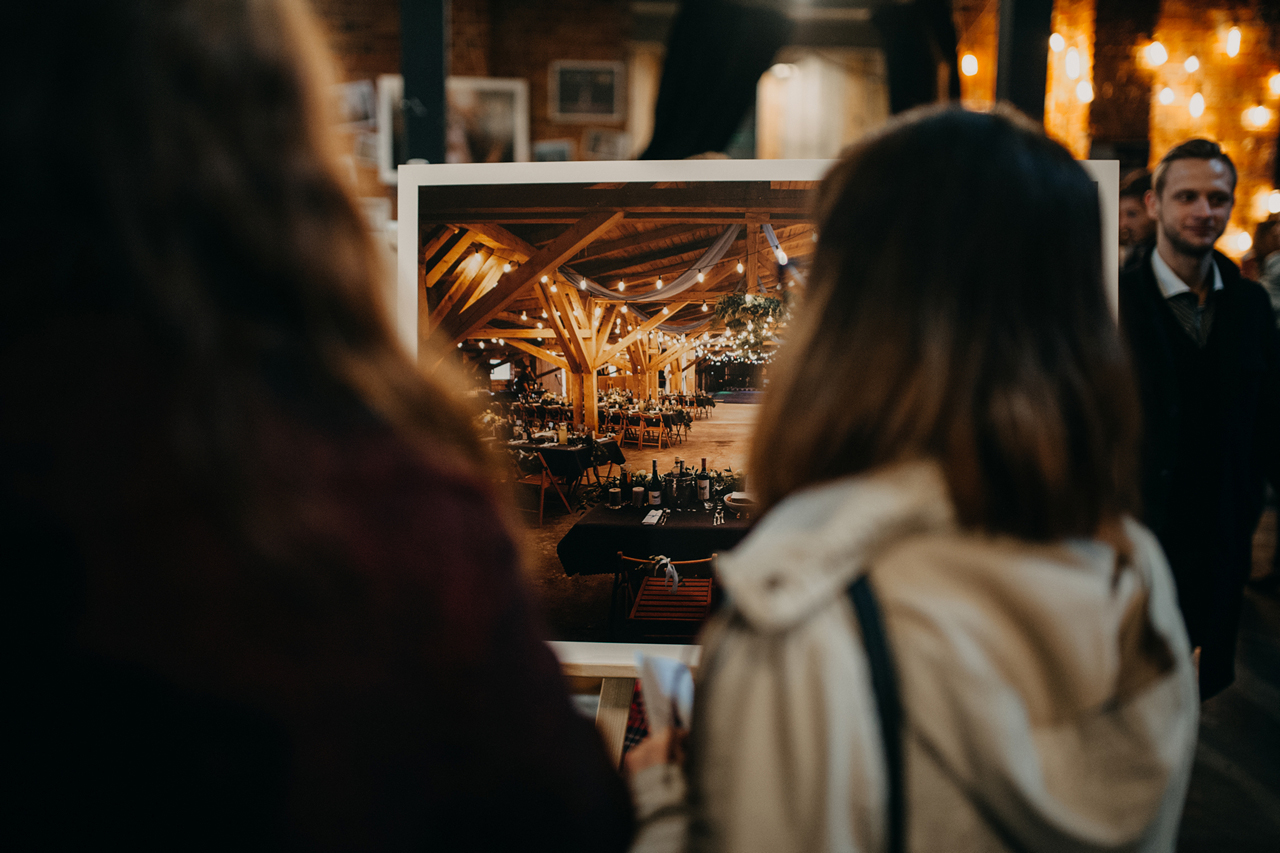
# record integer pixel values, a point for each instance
(259, 592)
(947, 633)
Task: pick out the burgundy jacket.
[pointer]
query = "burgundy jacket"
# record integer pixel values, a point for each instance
(370, 674)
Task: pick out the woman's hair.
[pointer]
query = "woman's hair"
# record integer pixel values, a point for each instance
(176, 166)
(956, 312)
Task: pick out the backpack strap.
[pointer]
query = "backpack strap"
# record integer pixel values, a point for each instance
(884, 683)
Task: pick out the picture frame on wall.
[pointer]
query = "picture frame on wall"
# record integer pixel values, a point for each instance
(553, 150)
(488, 120)
(603, 144)
(587, 91)
(391, 139)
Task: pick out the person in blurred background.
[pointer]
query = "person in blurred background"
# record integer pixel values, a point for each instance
(1136, 227)
(1207, 356)
(260, 593)
(961, 439)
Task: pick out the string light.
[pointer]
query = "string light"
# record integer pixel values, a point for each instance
(501, 342)
(659, 284)
(553, 287)
(544, 279)
(1057, 43)
(1166, 96)
(1257, 117)
(524, 315)
(704, 306)
(1084, 91)
(506, 267)
(782, 257)
(1191, 64)
(544, 313)
(701, 277)
(1273, 202)
(739, 266)
(664, 309)
(1196, 106)
(1233, 41)
(1156, 55)
(622, 285)
(539, 324)
(624, 309)
(1073, 63)
(969, 65)
(1274, 84)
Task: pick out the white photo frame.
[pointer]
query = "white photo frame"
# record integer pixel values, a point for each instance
(581, 90)
(488, 120)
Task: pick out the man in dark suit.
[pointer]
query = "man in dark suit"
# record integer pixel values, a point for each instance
(1207, 356)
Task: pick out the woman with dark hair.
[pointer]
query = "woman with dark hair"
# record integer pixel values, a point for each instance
(947, 458)
(259, 592)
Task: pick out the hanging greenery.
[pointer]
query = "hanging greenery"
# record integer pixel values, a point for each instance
(749, 321)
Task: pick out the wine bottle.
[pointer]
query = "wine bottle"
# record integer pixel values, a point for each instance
(704, 482)
(655, 487)
(624, 480)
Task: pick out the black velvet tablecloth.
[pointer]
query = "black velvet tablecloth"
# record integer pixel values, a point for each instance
(591, 546)
(567, 462)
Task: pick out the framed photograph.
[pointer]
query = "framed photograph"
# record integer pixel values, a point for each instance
(582, 90)
(356, 103)
(553, 150)
(601, 144)
(391, 140)
(488, 120)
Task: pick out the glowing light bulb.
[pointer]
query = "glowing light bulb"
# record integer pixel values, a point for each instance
(1273, 202)
(544, 313)
(553, 287)
(501, 342)
(747, 299)
(739, 266)
(968, 65)
(506, 267)
(659, 284)
(1057, 43)
(582, 285)
(1166, 96)
(544, 279)
(1073, 63)
(1196, 106)
(782, 257)
(482, 345)
(664, 310)
(1257, 117)
(624, 309)
(1233, 41)
(1243, 241)
(1274, 84)
(701, 277)
(524, 315)
(1192, 64)
(539, 324)
(1084, 91)
(622, 285)
(704, 306)
(1155, 54)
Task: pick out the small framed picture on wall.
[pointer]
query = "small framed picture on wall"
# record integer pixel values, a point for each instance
(587, 91)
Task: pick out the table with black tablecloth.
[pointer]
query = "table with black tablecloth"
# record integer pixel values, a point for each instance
(568, 462)
(591, 546)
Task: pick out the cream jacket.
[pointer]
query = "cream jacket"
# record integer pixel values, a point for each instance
(1049, 694)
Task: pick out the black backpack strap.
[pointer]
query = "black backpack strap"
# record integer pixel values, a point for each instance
(889, 706)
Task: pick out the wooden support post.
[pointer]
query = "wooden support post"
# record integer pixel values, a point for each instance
(591, 413)
(574, 393)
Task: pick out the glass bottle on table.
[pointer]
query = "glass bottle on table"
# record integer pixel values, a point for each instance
(655, 487)
(704, 485)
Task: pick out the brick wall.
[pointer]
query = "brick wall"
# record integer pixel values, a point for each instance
(364, 34)
(528, 35)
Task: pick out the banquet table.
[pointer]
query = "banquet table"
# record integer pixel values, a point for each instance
(568, 462)
(591, 546)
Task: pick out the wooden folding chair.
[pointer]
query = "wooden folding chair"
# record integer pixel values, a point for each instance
(652, 607)
(542, 479)
(655, 428)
